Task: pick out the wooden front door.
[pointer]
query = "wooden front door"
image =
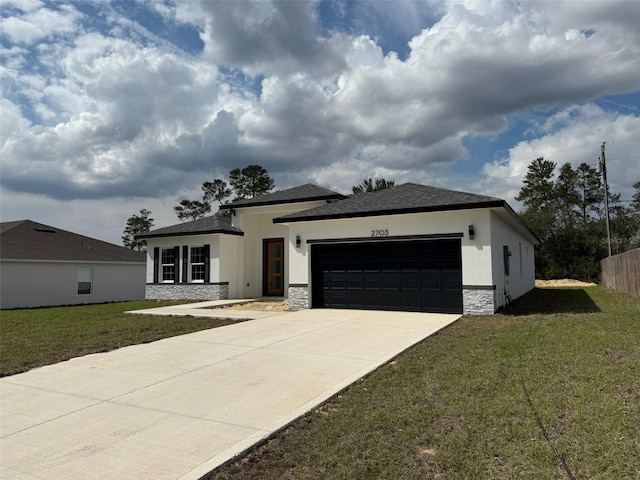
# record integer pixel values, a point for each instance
(273, 267)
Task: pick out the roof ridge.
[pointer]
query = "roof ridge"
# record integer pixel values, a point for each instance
(448, 190)
(302, 193)
(5, 227)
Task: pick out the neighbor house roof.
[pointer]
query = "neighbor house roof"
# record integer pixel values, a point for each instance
(207, 225)
(303, 193)
(28, 240)
(406, 198)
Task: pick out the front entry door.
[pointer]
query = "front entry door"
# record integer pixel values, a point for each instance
(273, 267)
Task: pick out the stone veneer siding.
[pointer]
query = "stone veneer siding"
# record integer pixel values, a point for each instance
(187, 291)
(478, 300)
(298, 297)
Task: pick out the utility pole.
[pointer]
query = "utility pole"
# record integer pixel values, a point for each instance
(603, 169)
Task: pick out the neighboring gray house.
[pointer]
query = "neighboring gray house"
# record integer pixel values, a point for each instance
(411, 247)
(45, 266)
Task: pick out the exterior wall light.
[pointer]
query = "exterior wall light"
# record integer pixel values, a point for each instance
(472, 232)
(298, 241)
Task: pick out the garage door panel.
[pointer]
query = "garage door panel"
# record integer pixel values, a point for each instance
(337, 298)
(410, 284)
(391, 283)
(415, 276)
(452, 303)
(411, 302)
(451, 284)
(391, 300)
(372, 301)
(431, 283)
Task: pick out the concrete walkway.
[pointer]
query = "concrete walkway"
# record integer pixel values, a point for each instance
(179, 407)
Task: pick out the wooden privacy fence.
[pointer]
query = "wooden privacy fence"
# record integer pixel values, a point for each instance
(622, 272)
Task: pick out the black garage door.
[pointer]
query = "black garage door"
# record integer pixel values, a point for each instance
(419, 276)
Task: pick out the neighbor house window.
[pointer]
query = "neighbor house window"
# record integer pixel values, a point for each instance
(85, 276)
(168, 265)
(197, 264)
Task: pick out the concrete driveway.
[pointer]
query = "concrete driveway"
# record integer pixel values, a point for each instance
(179, 407)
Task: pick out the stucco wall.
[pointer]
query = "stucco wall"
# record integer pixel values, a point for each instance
(37, 284)
(521, 276)
(224, 261)
(190, 241)
(476, 252)
(257, 225)
(230, 263)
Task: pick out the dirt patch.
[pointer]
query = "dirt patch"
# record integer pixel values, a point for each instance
(565, 282)
(261, 306)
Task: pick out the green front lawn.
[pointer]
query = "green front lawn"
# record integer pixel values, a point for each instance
(472, 401)
(468, 403)
(34, 337)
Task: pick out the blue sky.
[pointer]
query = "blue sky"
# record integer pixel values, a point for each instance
(108, 107)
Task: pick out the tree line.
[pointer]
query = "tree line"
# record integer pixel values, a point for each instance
(564, 208)
(249, 182)
(566, 211)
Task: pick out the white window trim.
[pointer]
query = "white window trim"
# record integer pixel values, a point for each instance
(172, 265)
(191, 264)
(90, 282)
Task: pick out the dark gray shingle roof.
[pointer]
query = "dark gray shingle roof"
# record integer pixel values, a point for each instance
(303, 193)
(213, 224)
(406, 198)
(28, 240)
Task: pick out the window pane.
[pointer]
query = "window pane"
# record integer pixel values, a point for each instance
(167, 256)
(275, 250)
(168, 272)
(197, 255)
(84, 280)
(197, 272)
(275, 283)
(276, 266)
(84, 275)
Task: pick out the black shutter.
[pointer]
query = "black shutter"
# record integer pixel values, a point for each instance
(176, 264)
(207, 264)
(156, 263)
(185, 264)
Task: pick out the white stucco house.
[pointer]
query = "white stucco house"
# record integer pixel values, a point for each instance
(46, 266)
(411, 247)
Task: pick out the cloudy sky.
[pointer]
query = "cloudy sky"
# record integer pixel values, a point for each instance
(107, 107)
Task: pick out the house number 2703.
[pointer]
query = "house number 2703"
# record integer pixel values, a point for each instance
(380, 233)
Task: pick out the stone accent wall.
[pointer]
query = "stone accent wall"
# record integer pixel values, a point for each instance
(478, 301)
(298, 297)
(187, 291)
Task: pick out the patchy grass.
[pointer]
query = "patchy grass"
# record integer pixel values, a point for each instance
(34, 337)
(471, 402)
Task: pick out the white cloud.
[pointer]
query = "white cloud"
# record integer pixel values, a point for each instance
(38, 23)
(22, 5)
(574, 136)
(268, 37)
(11, 120)
(112, 110)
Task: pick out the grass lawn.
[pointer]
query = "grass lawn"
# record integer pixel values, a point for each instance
(473, 401)
(34, 337)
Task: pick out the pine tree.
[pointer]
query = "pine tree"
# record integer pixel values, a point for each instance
(137, 225)
(369, 185)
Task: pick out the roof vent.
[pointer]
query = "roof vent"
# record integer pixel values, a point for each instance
(45, 230)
